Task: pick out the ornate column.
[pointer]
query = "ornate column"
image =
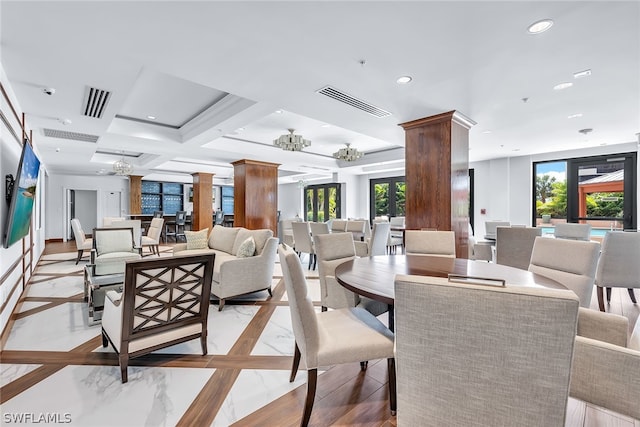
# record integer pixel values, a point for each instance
(135, 194)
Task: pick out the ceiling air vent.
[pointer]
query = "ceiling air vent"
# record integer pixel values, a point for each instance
(334, 93)
(95, 102)
(74, 136)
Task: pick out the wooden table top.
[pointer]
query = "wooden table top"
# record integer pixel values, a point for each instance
(374, 277)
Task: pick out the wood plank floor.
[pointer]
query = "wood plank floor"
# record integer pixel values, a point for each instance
(345, 396)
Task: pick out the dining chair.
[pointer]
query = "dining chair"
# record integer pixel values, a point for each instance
(152, 239)
(340, 336)
(332, 250)
(302, 241)
(514, 245)
(338, 225)
(567, 230)
(134, 224)
(434, 243)
(158, 214)
(318, 228)
(377, 243)
(482, 355)
(606, 363)
(619, 264)
(490, 228)
(82, 242)
(357, 229)
(479, 250)
(570, 262)
(107, 221)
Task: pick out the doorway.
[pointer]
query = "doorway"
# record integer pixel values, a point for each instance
(83, 204)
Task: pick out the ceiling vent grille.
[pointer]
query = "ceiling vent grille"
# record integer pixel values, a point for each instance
(74, 136)
(334, 93)
(95, 102)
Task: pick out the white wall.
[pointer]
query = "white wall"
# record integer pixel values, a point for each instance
(10, 150)
(57, 221)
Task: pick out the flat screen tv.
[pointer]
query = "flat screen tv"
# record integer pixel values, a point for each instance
(22, 197)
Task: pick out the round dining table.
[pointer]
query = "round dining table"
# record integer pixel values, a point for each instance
(374, 277)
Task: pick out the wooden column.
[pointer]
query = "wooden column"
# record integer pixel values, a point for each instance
(135, 194)
(255, 195)
(437, 175)
(202, 215)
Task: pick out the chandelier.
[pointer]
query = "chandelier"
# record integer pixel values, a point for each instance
(122, 167)
(348, 154)
(291, 142)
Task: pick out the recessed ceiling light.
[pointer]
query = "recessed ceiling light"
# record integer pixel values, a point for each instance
(403, 80)
(278, 111)
(540, 26)
(486, 131)
(239, 129)
(151, 117)
(580, 74)
(562, 85)
(574, 116)
(326, 125)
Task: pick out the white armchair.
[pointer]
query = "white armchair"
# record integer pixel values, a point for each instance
(112, 247)
(152, 239)
(164, 302)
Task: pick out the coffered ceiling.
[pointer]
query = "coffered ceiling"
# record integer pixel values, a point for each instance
(192, 86)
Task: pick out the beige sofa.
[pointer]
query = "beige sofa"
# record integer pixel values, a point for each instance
(233, 275)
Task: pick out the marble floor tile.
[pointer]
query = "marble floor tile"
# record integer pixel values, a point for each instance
(94, 395)
(28, 305)
(56, 287)
(277, 337)
(11, 372)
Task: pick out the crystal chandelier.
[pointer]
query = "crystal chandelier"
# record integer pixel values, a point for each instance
(348, 154)
(122, 167)
(291, 142)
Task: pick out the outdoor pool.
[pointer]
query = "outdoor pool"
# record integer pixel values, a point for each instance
(595, 232)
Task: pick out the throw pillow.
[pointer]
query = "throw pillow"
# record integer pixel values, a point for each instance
(247, 248)
(196, 239)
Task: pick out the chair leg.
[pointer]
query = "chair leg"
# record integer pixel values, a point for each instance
(270, 291)
(221, 304)
(158, 250)
(79, 255)
(315, 261)
(391, 366)
(600, 298)
(323, 308)
(124, 362)
(310, 260)
(296, 363)
(608, 295)
(312, 379)
(632, 295)
(364, 365)
(203, 342)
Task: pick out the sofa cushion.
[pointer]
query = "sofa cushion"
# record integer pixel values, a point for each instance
(197, 239)
(247, 248)
(243, 234)
(261, 236)
(223, 238)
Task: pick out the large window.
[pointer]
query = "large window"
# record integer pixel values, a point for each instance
(227, 199)
(322, 202)
(387, 197)
(600, 191)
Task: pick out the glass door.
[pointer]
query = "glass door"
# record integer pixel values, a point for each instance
(322, 202)
(387, 197)
(601, 191)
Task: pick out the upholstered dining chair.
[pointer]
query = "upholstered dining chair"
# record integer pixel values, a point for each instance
(107, 221)
(302, 241)
(333, 337)
(338, 225)
(176, 226)
(332, 250)
(434, 243)
(135, 225)
(479, 249)
(567, 230)
(515, 244)
(606, 365)
(164, 302)
(570, 262)
(82, 242)
(357, 229)
(619, 264)
(490, 228)
(318, 228)
(507, 364)
(152, 239)
(377, 243)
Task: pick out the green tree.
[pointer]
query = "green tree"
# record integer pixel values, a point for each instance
(544, 187)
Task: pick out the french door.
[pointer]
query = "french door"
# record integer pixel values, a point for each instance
(322, 202)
